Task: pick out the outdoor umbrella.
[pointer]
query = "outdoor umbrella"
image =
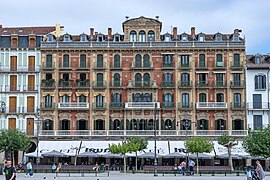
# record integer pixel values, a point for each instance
(226, 156)
(33, 154)
(149, 155)
(110, 155)
(88, 154)
(54, 154)
(201, 156)
(175, 155)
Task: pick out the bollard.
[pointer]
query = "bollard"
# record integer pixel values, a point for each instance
(108, 173)
(82, 174)
(237, 174)
(225, 173)
(200, 173)
(174, 173)
(95, 173)
(213, 173)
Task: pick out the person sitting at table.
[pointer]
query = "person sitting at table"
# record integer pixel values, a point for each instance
(53, 168)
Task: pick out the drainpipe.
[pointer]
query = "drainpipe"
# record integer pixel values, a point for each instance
(268, 83)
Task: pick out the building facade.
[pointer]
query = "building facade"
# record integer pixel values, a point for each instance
(20, 76)
(119, 84)
(258, 81)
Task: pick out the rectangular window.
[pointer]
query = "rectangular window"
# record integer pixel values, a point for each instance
(48, 101)
(184, 60)
(236, 79)
(237, 100)
(219, 79)
(257, 122)
(257, 101)
(236, 60)
(202, 60)
(202, 78)
(219, 60)
(260, 82)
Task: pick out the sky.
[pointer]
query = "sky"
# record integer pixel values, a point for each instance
(208, 16)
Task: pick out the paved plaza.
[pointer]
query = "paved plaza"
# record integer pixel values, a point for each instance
(117, 176)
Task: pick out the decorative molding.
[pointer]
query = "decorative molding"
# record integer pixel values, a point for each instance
(63, 116)
(81, 116)
(203, 115)
(220, 115)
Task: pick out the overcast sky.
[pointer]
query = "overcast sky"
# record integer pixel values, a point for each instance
(209, 16)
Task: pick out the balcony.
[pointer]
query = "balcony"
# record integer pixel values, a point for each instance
(184, 66)
(66, 66)
(185, 84)
(220, 84)
(141, 105)
(201, 66)
(212, 105)
(22, 68)
(116, 105)
(146, 66)
(30, 88)
(258, 106)
(237, 66)
(203, 84)
(99, 66)
(142, 84)
(116, 84)
(48, 66)
(219, 66)
(11, 88)
(116, 67)
(168, 84)
(83, 66)
(237, 84)
(82, 84)
(19, 110)
(238, 106)
(168, 105)
(167, 66)
(48, 84)
(47, 106)
(65, 84)
(73, 105)
(99, 85)
(185, 106)
(99, 106)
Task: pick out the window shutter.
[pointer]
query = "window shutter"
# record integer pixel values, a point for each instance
(256, 82)
(127, 124)
(264, 82)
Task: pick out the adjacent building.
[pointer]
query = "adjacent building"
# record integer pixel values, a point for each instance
(257, 82)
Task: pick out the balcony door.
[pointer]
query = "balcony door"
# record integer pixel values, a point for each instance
(220, 97)
(257, 101)
(99, 79)
(12, 104)
(99, 101)
(11, 123)
(13, 63)
(13, 82)
(31, 63)
(30, 104)
(30, 126)
(31, 82)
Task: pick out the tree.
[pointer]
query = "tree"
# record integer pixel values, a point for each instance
(198, 145)
(122, 149)
(228, 142)
(137, 144)
(12, 140)
(257, 143)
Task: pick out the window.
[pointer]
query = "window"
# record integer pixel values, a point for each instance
(146, 97)
(184, 37)
(202, 124)
(238, 124)
(220, 124)
(116, 80)
(218, 37)
(236, 100)
(167, 38)
(142, 36)
(235, 37)
(138, 80)
(48, 101)
(202, 97)
(99, 79)
(82, 99)
(48, 76)
(168, 77)
(167, 60)
(83, 60)
(66, 38)
(185, 124)
(50, 38)
(82, 76)
(151, 36)
(66, 77)
(100, 38)
(260, 82)
(14, 42)
(116, 98)
(116, 61)
(116, 38)
(202, 79)
(185, 77)
(201, 38)
(48, 61)
(168, 100)
(133, 36)
(138, 60)
(32, 41)
(257, 122)
(202, 60)
(219, 60)
(219, 80)
(66, 60)
(116, 124)
(258, 60)
(257, 101)
(220, 97)
(184, 60)
(236, 79)
(146, 60)
(65, 125)
(100, 60)
(185, 100)
(83, 38)
(236, 60)
(168, 124)
(137, 97)
(146, 80)
(99, 100)
(65, 99)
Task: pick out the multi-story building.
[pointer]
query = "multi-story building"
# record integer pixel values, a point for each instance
(20, 76)
(257, 82)
(97, 85)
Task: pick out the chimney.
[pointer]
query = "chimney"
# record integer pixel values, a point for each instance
(237, 31)
(92, 32)
(1, 26)
(174, 32)
(109, 33)
(193, 33)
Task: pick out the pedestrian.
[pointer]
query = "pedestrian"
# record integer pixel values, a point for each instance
(10, 171)
(259, 169)
(183, 165)
(20, 167)
(191, 165)
(29, 168)
(53, 168)
(59, 167)
(96, 167)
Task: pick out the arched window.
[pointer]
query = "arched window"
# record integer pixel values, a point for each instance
(220, 97)
(83, 60)
(150, 124)
(100, 60)
(202, 124)
(132, 36)
(116, 80)
(138, 80)
(202, 97)
(260, 82)
(137, 97)
(65, 100)
(66, 60)
(48, 76)
(48, 61)
(151, 36)
(138, 60)
(133, 124)
(83, 38)
(67, 38)
(185, 81)
(116, 61)
(168, 77)
(168, 98)
(82, 100)
(146, 60)
(147, 97)
(146, 80)
(82, 124)
(142, 36)
(65, 125)
(116, 98)
(185, 100)
(116, 124)
(168, 124)
(220, 124)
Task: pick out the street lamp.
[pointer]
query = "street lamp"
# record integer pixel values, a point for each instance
(155, 133)
(3, 107)
(38, 122)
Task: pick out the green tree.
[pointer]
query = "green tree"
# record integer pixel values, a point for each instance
(137, 144)
(257, 143)
(12, 140)
(122, 149)
(228, 142)
(198, 144)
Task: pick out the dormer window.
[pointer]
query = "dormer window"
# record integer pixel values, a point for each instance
(99, 38)
(167, 38)
(83, 38)
(66, 38)
(201, 38)
(235, 37)
(258, 60)
(218, 37)
(50, 38)
(184, 37)
(116, 38)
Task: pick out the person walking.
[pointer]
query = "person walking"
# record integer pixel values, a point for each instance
(191, 165)
(29, 168)
(259, 169)
(10, 171)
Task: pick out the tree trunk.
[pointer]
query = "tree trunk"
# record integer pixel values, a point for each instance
(125, 165)
(230, 157)
(136, 163)
(13, 158)
(197, 162)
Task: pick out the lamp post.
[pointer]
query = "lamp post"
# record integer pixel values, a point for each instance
(38, 121)
(3, 107)
(155, 134)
